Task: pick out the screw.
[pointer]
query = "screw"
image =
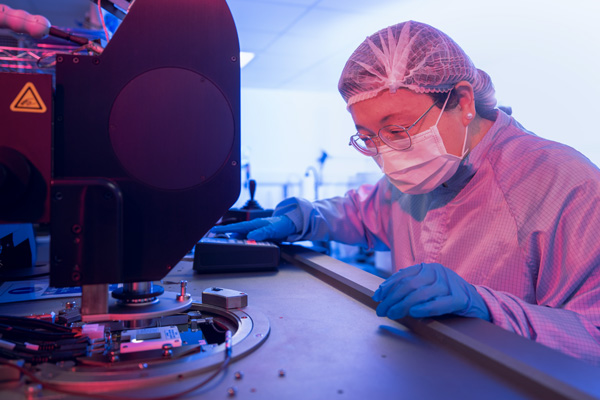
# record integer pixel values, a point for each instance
(96, 61)
(75, 60)
(58, 195)
(167, 350)
(234, 163)
(59, 59)
(281, 373)
(238, 375)
(33, 390)
(232, 391)
(183, 296)
(76, 228)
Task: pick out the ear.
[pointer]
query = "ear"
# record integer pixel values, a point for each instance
(466, 101)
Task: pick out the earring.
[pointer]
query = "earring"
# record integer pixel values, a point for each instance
(469, 116)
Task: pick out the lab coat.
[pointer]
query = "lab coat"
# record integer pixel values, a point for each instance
(520, 220)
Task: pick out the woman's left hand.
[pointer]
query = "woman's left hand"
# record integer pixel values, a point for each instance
(427, 290)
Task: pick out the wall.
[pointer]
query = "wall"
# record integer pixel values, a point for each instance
(543, 57)
(285, 132)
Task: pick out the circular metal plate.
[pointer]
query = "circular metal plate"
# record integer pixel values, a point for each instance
(252, 330)
(167, 304)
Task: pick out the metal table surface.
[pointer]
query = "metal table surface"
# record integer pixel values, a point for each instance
(326, 342)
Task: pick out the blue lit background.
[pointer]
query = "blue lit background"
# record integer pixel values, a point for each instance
(543, 57)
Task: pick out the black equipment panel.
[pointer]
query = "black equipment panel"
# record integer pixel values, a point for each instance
(157, 116)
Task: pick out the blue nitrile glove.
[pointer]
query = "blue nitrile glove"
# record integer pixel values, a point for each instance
(427, 290)
(274, 228)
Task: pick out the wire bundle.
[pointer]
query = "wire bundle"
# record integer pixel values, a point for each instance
(37, 341)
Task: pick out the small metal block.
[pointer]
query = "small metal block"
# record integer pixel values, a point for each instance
(224, 298)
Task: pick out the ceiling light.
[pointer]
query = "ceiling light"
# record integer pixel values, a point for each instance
(245, 58)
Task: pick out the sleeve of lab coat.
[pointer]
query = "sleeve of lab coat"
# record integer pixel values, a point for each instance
(355, 218)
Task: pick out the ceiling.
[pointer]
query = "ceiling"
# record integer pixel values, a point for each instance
(298, 44)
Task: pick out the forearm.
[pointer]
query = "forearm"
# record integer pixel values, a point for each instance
(338, 219)
(560, 329)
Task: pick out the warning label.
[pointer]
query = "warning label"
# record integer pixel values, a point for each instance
(28, 100)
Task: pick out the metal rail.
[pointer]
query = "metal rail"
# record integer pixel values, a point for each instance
(534, 367)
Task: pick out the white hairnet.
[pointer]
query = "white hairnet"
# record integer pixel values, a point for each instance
(415, 56)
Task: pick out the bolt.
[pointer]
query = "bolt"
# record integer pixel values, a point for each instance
(33, 390)
(167, 350)
(114, 357)
(183, 296)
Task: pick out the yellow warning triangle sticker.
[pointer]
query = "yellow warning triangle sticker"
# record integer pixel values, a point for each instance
(28, 100)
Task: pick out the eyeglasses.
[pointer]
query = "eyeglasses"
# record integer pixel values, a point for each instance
(395, 136)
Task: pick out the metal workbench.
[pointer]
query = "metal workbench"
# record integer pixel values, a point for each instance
(325, 342)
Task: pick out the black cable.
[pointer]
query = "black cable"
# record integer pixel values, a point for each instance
(30, 334)
(33, 323)
(57, 388)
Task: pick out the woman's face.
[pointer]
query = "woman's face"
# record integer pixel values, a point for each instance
(403, 108)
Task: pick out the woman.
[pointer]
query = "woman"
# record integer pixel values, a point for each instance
(483, 218)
